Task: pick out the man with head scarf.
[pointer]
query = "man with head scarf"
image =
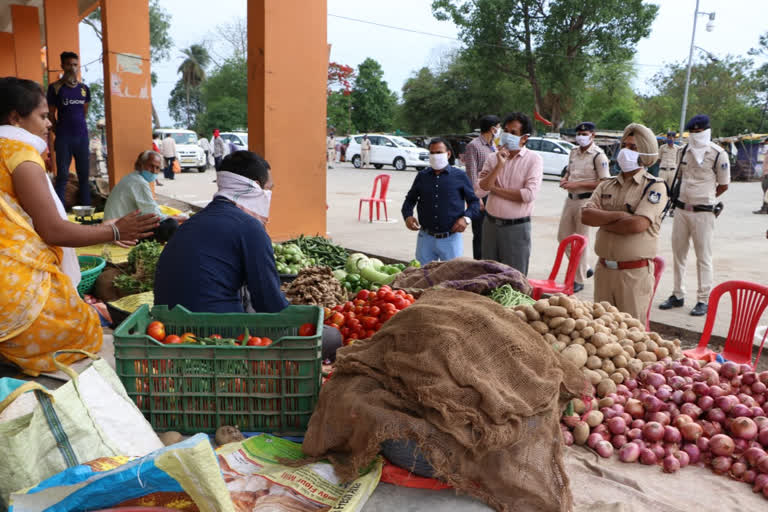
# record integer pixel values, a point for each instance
(219, 149)
(628, 210)
(668, 159)
(704, 175)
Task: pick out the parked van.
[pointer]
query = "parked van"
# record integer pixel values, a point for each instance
(239, 139)
(388, 150)
(191, 156)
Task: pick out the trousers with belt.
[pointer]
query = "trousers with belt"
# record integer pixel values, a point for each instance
(700, 228)
(629, 290)
(509, 244)
(570, 224)
(668, 175)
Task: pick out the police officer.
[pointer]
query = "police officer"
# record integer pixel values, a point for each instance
(587, 166)
(704, 175)
(628, 210)
(668, 159)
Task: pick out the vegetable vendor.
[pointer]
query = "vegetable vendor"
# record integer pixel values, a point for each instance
(133, 193)
(446, 204)
(40, 310)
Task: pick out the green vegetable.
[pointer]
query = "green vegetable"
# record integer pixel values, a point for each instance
(376, 263)
(415, 264)
(351, 265)
(509, 297)
(321, 251)
(142, 260)
(340, 274)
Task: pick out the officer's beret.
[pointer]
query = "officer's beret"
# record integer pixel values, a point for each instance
(586, 126)
(671, 133)
(699, 122)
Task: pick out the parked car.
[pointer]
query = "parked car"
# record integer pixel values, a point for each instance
(239, 139)
(388, 150)
(554, 154)
(191, 155)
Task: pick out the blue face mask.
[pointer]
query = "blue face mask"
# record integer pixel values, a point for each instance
(510, 141)
(670, 141)
(149, 176)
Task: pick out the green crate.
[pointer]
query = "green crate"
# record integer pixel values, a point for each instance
(88, 277)
(191, 388)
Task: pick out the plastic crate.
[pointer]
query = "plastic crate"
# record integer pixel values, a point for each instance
(88, 277)
(198, 388)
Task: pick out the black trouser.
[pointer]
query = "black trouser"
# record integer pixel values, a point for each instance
(165, 230)
(217, 162)
(168, 171)
(66, 148)
(477, 233)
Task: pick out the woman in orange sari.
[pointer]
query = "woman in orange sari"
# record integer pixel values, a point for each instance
(40, 310)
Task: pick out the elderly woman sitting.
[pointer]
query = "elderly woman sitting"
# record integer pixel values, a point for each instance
(40, 310)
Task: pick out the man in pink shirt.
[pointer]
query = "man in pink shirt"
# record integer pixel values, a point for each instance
(511, 178)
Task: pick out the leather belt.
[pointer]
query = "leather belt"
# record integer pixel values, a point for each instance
(507, 222)
(439, 236)
(585, 195)
(623, 265)
(667, 168)
(695, 207)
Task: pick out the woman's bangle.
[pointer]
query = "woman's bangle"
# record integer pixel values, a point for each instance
(115, 233)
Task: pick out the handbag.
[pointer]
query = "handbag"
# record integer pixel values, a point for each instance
(176, 166)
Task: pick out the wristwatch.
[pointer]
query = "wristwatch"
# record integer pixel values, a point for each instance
(468, 220)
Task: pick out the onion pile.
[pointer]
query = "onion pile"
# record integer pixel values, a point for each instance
(677, 413)
(609, 346)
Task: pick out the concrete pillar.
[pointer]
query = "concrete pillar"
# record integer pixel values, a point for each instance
(127, 87)
(61, 33)
(287, 76)
(7, 55)
(26, 38)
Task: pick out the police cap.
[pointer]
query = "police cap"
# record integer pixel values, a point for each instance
(698, 122)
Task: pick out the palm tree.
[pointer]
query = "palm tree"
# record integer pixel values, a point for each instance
(192, 70)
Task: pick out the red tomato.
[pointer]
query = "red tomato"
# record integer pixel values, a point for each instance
(369, 333)
(368, 322)
(253, 341)
(265, 342)
(366, 310)
(307, 329)
(386, 288)
(350, 314)
(363, 294)
(386, 316)
(337, 319)
(348, 306)
(375, 311)
(156, 330)
(358, 302)
(215, 336)
(344, 332)
(172, 339)
(188, 337)
(389, 307)
(338, 308)
(377, 326)
(326, 313)
(401, 303)
(381, 294)
(410, 297)
(400, 293)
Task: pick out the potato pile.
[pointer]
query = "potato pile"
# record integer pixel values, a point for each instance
(609, 346)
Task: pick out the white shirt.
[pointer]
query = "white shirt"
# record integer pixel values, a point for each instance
(168, 147)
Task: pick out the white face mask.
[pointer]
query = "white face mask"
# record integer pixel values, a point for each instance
(438, 161)
(700, 139)
(244, 192)
(510, 141)
(583, 140)
(627, 159)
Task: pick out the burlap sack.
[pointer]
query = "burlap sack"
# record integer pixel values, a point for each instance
(478, 276)
(474, 386)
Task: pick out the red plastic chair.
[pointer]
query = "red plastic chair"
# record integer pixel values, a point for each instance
(382, 199)
(658, 269)
(577, 244)
(748, 302)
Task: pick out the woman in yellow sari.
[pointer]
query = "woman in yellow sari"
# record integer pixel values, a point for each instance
(40, 310)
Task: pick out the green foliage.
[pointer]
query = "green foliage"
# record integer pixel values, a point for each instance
(185, 111)
(225, 96)
(96, 107)
(608, 89)
(373, 104)
(142, 261)
(340, 112)
(617, 118)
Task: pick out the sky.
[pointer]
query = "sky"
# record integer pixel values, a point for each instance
(421, 40)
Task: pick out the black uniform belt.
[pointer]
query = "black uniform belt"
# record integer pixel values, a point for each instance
(507, 222)
(585, 195)
(437, 235)
(667, 168)
(695, 207)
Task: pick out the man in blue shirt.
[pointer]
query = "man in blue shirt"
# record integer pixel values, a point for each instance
(446, 203)
(223, 251)
(68, 101)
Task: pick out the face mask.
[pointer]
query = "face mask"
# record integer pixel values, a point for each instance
(701, 139)
(149, 176)
(438, 161)
(670, 141)
(510, 141)
(627, 159)
(583, 140)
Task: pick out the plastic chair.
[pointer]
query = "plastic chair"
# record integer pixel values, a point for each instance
(658, 269)
(382, 199)
(748, 302)
(577, 244)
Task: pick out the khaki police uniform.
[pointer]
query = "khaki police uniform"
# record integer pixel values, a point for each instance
(330, 146)
(697, 188)
(365, 151)
(668, 163)
(629, 289)
(588, 165)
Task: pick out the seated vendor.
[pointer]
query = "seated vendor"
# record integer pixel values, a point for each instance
(221, 259)
(40, 310)
(133, 193)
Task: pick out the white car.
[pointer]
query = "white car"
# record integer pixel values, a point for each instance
(190, 154)
(388, 150)
(239, 139)
(554, 154)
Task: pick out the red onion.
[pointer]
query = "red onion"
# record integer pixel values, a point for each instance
(762, 437)
(711, 428)
(670, 448)
(765, 491)
(749, 476)
(663, 393)
(753, 454)
(672, 409)
(654, 379)
(691, 432)
(631, 384)
(622, 389)
(716, 392)
(670, 464)
(621, 400)
(634, 433)
(744, 368)
(604, 449)
(689, 396)
(702, 444)
(682, 457)
(762, 464)
(626, 417)
(726, 402)
(681, 419)
(722, 445)
(648, 457)
(736, 382)
(721, 464)
(740, 410)
(716, 414)
(608, 413)
(657, 449)
(755, 411)
(763, 377)
(700, 388)
(738, 469)
(669, 373)
(657, 367)
(602, 429)
(692, 410)
(659, 417)
(618, 408)
(765, 407)
(676, 382)
(630, 452)
(619, 440)
(677, 396)
(593, 439)
(693, 452)
(744, 428)
(634, 408)
(760, 482)
(709, 376)
(759, 398)
(739, 445)
(729, 370)
(638, 423)
(672, 434)
(653, 431)
(746, 399)
(567, 438)
(705, 402)
(749, 378)
(652, 404)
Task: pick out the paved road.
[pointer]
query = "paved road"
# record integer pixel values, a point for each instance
(741, 247)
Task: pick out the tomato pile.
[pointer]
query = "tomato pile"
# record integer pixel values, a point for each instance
(361, 318)
(156, 330)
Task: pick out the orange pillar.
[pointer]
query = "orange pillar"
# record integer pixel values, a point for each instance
(287, 76)
(61, 33)
(7, 55)
(127, 87)
(26, 38)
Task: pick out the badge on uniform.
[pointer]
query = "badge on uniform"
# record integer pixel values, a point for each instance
(724, 165)
(606, 196)
(654, 197)
(604, 164)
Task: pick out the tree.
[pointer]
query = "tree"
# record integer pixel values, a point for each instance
(185, 110)
(96, 107)
(549, 43)
(762, 76)
(339, 103)
(608, 97)
(235, 34)
(372, 102)
(160, 42)
(192, 75)
(225, 96)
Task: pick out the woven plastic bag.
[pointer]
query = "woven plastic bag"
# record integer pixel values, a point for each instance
(87, 418)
